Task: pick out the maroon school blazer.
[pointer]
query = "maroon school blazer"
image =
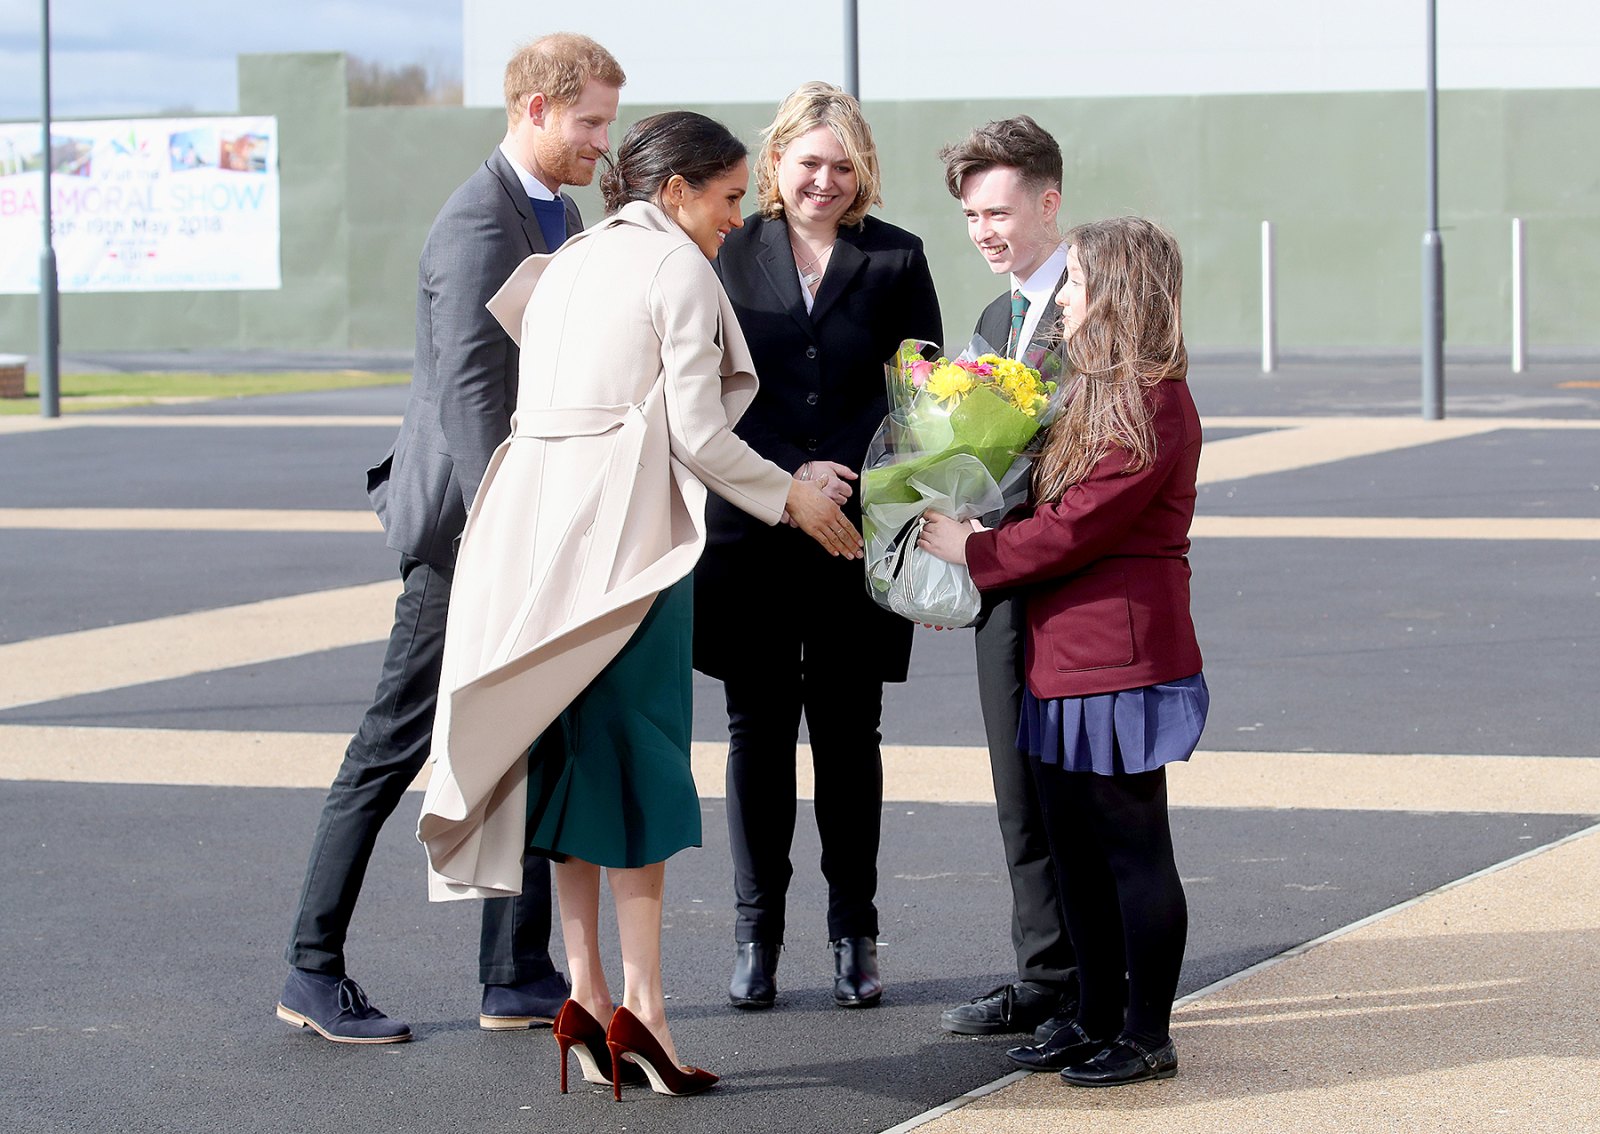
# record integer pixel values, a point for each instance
(1104, 571)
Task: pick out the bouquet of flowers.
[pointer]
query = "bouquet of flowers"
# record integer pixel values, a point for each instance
(955, 441)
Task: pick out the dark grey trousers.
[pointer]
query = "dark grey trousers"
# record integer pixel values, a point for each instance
(1038, 922)
(383, 758)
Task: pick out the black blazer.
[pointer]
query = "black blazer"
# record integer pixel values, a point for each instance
(821, 398)
(995, 326)
(464, 375)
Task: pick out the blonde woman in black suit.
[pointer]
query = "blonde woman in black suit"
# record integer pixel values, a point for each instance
(824, 294)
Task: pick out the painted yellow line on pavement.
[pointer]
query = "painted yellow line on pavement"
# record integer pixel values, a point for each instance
(1312, 442)
(1234, 527)
(90, 661)
(191, 519)
(23, 424)
(197, 757)
(1250, 421)
(1395, 527)
(1356, 781)
(912, 773)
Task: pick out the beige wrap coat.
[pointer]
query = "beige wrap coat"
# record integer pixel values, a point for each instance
(633, 372)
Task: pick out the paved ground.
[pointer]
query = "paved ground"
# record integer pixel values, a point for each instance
(1400, 624)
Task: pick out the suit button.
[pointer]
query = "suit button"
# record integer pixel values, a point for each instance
(811, 399)
(811, 445)
(811, 352)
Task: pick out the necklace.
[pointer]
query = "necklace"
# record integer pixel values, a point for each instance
(811, 271)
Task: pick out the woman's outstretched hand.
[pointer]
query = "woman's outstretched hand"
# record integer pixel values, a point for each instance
(831, 477)
(812, 511)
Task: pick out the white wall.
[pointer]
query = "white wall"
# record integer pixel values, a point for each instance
(949, 49)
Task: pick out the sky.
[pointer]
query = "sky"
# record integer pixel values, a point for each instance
(111, 58)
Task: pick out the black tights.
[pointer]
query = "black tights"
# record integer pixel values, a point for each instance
(1124, 902)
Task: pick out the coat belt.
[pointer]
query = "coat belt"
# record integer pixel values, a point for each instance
(568, 421)
(618, 480)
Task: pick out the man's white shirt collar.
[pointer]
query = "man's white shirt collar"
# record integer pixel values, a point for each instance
(531, 185)
(1040, 289)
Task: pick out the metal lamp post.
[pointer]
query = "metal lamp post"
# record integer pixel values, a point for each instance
(1433, 247)
(49, 300)
(852, 51)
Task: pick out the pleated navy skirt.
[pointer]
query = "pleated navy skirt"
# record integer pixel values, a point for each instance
(1129, 731)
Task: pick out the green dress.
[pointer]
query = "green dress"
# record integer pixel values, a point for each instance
(609, 781)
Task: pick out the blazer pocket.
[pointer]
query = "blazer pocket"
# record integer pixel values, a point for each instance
(1094, 629)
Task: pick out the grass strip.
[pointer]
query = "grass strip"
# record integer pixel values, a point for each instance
(86, 392)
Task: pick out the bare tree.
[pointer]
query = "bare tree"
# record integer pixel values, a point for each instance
(370, 82)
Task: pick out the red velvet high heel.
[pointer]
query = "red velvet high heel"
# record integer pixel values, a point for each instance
(630, 1039)
(581, 1033)
(575, 1028)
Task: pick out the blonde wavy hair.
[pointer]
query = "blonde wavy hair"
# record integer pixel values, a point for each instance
(1130, 338)
(811, 105)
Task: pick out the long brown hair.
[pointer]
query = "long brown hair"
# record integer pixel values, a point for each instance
(1130, 338)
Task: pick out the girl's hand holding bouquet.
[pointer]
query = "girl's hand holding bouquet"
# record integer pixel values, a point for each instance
(955, 442)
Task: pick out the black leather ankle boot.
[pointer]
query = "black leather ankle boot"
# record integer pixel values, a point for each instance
(755, 975)
(855, 972)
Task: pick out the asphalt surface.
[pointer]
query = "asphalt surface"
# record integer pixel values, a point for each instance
(144, 925)
(144, 928)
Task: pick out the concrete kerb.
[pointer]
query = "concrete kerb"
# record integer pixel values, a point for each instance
(988, 1089)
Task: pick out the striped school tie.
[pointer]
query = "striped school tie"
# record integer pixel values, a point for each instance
(1019, 314)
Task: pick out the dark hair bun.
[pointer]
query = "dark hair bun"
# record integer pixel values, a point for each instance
(680, 142)
(613, 189)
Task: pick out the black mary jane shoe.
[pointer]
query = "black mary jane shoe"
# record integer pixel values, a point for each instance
(755, 975)
(1070, 1044)
(1125, 1061)
(856, 983)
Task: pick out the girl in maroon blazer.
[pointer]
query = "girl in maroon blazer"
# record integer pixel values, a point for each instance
(1114, 689)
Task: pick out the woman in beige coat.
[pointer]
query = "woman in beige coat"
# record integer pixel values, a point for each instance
(569, 622)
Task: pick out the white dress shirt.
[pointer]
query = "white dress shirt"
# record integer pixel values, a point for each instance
(1040, 290)
(530, 184)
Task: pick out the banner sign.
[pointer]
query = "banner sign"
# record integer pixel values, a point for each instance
(145, 204)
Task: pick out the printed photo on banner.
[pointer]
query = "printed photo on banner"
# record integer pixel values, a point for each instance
(157, 204)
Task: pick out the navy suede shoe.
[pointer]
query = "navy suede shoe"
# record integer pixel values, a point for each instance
(518, 1007)
(335, 1008)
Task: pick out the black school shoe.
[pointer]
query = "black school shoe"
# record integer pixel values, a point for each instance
(1125, 1061)
(1019, 1007)
(1068, 1045)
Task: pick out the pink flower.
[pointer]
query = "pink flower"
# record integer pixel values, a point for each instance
(920, 371)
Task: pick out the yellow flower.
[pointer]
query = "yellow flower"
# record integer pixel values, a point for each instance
(1020, 384)
(949, 382)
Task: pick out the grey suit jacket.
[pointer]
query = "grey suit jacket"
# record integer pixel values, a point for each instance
(464, 375)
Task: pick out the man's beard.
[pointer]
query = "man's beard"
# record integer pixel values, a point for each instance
(564, 165)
